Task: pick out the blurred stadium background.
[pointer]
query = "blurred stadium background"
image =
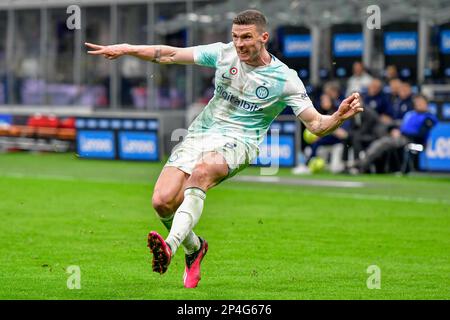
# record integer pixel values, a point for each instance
(57, 101)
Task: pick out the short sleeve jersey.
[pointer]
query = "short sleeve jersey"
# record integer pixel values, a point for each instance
(246, 99)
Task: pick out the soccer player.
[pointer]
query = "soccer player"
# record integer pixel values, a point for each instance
(251, 88)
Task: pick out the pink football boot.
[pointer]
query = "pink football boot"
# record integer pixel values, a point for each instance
(162, 254)
(192, 271)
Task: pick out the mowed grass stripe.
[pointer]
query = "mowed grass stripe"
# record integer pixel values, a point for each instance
(348, 195)
(266, 243)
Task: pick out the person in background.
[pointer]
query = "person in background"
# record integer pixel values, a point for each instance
(363, 129)
(327, 107)
(415, 128)
(393, 89)
(377, 100)
(333, 90)
(390, 73)
(360, 79)
(404, 103)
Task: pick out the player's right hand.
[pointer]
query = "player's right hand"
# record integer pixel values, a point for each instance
(109, 52)
(350, 106)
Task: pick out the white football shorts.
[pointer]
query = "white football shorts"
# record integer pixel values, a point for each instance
(237, 154)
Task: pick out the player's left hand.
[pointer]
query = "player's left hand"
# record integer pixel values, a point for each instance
(110, 52)
(350, 106)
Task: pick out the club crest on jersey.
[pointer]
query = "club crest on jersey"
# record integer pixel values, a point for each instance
(262, 92)
(233, 71)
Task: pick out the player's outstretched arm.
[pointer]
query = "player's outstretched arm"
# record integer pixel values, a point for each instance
(322, 125)
(154, 53)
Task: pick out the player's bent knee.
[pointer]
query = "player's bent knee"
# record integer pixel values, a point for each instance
(163, 204)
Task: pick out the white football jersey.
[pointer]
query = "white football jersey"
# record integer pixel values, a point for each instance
(246, 99)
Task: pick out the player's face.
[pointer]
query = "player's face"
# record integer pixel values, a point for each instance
(249, 42)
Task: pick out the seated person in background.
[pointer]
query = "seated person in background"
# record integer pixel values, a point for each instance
(362, 131)
(377, 100)
(394, 87)
(415, 128)
(337, 137)
(390, 73)
(333, 90)
(360, 79)
(403, 103)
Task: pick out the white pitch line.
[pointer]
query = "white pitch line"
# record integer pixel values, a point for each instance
(37, 176)
(277, 180)
(67, 178)
(346, 184)
(378, 197)
(302, 182)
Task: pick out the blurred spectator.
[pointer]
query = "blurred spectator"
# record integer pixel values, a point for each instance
(404, 102)
(360, 79)
(377, 100)
(390, 73)
(132, 84)
(394, 87)
(415, 128)
(329, 147)
(333, 90)
(363, 129)
(326, 105)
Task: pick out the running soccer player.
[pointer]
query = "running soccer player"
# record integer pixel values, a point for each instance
(251, 88)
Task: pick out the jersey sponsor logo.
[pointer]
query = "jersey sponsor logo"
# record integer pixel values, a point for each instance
(262, 92)
(248, 106)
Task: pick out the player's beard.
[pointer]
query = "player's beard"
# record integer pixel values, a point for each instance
(251, 57)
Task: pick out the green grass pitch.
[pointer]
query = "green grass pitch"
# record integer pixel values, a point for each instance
(266, 241)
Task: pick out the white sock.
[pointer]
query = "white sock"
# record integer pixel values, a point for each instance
(186, 217)
(190, 244)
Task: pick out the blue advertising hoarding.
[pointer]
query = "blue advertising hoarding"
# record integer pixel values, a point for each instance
(400, 43)
(96, 144)
(118, 138)
(135, 145)
(5, 119)
(297, 46)
(444, 43)
(437, 154)
(446, 111)
(275, 151)
(348, 45)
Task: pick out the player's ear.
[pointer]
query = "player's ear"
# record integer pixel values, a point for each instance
(265, 37)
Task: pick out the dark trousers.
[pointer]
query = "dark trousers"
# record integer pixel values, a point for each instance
(380, 147)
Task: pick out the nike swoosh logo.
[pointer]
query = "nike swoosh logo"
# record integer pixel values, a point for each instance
(225, 77)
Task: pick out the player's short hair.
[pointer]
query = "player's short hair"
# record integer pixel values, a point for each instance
(254, 17)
